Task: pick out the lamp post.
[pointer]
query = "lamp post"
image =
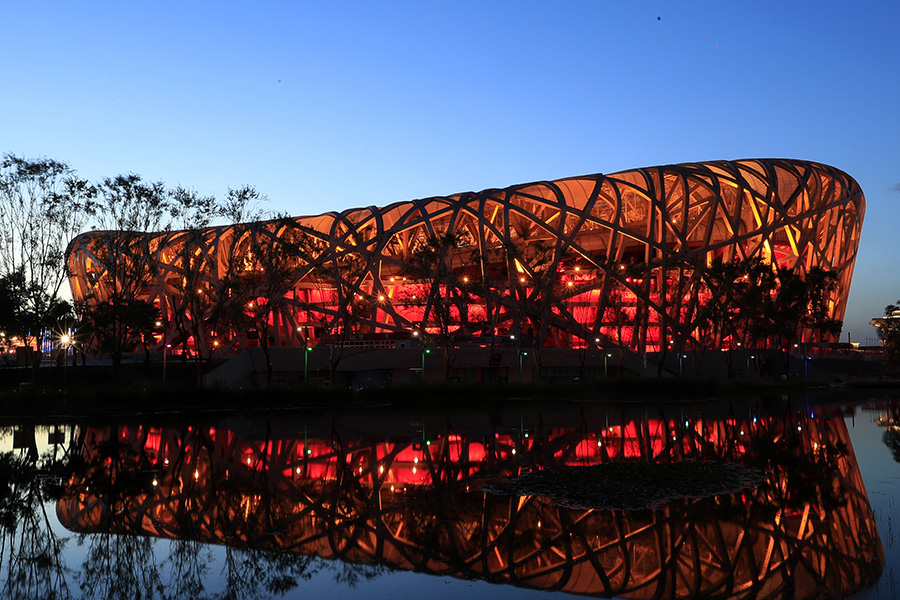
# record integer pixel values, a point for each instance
(165, 348)
(606, 355)
(521, 370)
(681, 365)
(64, 341)
(306, 362)
(424, 352)
(752, 356)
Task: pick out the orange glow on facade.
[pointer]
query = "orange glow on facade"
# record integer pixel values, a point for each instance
(622, 258)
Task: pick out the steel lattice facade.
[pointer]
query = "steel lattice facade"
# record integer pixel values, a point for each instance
(550, 260)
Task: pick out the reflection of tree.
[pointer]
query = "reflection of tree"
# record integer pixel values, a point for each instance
(891, 423)
(891, 439)
(30, 551)
(119, 566)
(351, 574)
(248, 573)
(188, 562)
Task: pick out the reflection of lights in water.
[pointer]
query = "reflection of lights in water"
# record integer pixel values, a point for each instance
(340, 494)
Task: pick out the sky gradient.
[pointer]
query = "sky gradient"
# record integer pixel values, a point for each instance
(327, 106)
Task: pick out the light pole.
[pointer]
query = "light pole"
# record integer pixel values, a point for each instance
(606, 355)
(521, 371)
(64, 341)
(424, 352)
(681, 365)
(306, 362)
(752, 356)
(165, 347)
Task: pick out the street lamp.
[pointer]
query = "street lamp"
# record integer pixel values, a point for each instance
(165, 347)
(521, 371)
(605, 370)
(64, 341)
(424, 352)
(306, 362)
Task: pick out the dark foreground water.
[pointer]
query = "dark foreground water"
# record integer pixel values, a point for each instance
(771, 498)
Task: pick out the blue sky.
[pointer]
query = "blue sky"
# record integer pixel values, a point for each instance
(330, 105)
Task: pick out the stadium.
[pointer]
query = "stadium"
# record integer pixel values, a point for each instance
(624, 260)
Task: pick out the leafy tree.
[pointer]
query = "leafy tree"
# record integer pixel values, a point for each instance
(13, 320)
(194, 264)
(432, 262)
(42, 206)
(889, 330)
(273, 260)
(240, 207)
(127, 210)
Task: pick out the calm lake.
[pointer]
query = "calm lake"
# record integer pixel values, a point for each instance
(778, 497)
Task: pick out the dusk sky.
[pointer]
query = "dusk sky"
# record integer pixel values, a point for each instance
(332, 105)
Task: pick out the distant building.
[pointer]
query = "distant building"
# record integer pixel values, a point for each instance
(604, 260)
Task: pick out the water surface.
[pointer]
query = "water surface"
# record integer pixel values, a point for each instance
(631, 501)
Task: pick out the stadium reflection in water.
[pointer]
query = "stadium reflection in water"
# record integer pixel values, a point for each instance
(413, 499)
